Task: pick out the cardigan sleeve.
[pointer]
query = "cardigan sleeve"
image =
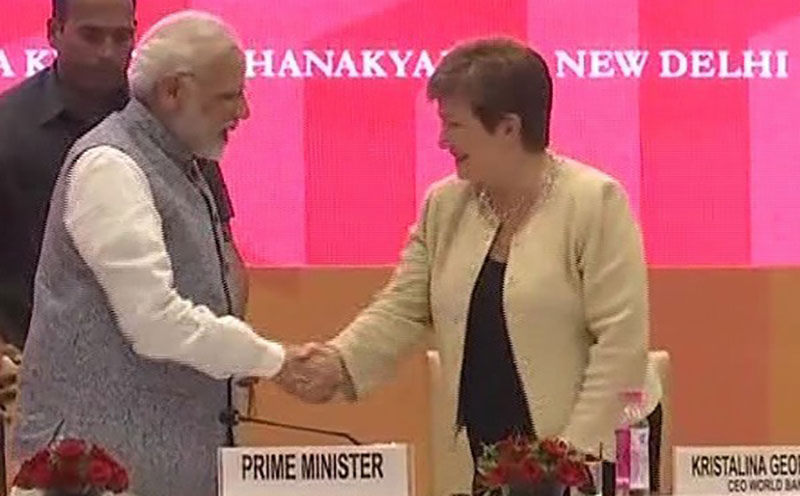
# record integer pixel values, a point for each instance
(396, 320)
(614, 286)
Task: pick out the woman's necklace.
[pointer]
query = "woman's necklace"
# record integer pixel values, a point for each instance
(531, 200)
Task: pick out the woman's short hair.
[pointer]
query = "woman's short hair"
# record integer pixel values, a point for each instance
(499, 76)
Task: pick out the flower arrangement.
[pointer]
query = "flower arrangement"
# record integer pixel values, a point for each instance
(520, 465)
(72, 468)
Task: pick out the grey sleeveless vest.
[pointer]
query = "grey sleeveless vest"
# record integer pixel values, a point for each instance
(159, 418)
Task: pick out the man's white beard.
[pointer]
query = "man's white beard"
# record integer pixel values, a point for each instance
(211, 151)
(194, 127)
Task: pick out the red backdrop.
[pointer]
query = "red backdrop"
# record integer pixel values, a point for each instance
(331, 167)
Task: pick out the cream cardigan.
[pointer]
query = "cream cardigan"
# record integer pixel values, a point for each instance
(575, 298)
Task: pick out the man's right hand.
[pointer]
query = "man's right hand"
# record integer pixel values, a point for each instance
(315, 373)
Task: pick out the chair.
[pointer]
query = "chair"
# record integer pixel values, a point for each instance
(660, 362)
(445, 474)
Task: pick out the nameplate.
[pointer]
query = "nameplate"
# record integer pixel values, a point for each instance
(315, 471)
(737, 470)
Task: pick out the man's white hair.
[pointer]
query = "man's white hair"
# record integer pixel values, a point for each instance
(178, 44)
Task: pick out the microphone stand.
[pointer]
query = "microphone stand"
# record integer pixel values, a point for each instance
(232, 418)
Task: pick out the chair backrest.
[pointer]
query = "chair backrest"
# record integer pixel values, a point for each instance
(444, 475)
(660, 362)
(447, 473)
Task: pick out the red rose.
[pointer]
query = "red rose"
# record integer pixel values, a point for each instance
(513, 449)
(119, 480)
(37, 472)
(70, 449)
(41, 476)
(100, 473)
(41, 471)
(68, 475)
(532, 472)
(505, 448)
(24, 478)
(498, 476)
(571, 473)
(98, 453)
(555, 447)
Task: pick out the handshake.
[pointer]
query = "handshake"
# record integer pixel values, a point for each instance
(315, 373)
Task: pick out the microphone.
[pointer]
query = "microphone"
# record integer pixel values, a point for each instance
(232, 418)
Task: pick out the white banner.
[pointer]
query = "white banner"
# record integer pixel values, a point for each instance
(315, 471)
(737, 470)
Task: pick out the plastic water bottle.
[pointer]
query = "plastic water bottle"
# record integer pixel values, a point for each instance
(633, 448)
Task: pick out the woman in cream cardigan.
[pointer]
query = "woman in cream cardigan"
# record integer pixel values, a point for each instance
(527, 266)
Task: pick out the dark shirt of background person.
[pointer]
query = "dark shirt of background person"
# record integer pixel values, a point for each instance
(39, 120)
